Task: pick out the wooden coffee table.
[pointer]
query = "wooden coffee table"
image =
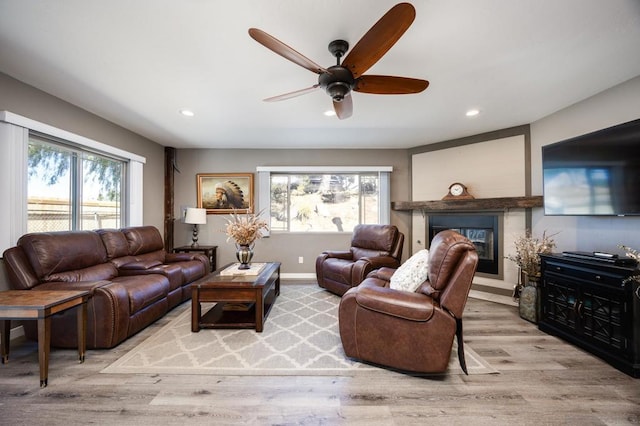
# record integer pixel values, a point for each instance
(40, 306)
(242, 301)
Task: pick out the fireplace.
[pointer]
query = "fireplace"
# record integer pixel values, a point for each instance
(482, 229)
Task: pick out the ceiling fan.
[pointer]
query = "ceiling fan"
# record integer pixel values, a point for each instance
(340, 79)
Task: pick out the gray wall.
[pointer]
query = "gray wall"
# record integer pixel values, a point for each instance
(614, 106)
(282, 247)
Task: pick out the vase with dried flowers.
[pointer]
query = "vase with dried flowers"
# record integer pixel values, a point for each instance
(527, 257)
(244, 230)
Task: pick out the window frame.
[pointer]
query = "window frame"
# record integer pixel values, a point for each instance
(384, 178)
(79, 156)
(14, 139)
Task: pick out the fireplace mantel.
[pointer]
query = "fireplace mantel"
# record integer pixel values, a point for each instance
(476, 204)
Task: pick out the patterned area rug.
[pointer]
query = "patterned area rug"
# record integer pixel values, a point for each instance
(300, 337)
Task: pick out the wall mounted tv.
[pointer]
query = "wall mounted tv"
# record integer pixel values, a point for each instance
(594, 174)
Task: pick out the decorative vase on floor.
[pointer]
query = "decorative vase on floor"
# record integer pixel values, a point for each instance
(529, 302)
(244, 253)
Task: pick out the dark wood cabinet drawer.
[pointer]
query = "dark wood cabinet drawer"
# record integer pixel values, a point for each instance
(604, 277)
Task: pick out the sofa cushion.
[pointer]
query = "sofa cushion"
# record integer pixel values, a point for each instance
(359, 253)
(378, 238)
(53, 252)
(144, 290)
(143, 239)
(156, 256)
(105, 271)
(411, 273)
(114, 242)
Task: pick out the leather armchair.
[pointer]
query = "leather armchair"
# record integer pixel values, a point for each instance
(372, 247)
(412, 331)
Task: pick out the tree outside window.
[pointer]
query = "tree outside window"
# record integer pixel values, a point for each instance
(69, 188)
(323, 202)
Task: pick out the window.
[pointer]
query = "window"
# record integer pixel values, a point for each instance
(72, 188)
(16, 133)
(324, 199)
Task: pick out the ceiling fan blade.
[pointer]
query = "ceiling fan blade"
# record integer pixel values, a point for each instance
(379, 39)
(285, 51)
(389, 85)
(344, 108)
(294, 94)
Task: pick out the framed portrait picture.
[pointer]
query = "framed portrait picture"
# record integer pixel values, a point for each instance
(222, 193)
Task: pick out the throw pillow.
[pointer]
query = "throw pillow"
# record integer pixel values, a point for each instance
(411, 273)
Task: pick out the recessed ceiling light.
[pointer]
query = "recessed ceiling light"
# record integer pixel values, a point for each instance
(329, 113)
(187, 112)
(472, 113)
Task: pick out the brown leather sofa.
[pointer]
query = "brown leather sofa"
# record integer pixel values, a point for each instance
(140, 251)
(132, 281)
(412, 331)
(372, 247)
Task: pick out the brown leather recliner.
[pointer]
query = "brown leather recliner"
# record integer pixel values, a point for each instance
(412, 331)
(372, 247)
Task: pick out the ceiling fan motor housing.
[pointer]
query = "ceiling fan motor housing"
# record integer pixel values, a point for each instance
(338, 82)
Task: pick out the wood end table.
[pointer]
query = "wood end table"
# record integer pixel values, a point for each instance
(40, 306)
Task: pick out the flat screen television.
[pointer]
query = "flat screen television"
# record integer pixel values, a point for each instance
(597, 174)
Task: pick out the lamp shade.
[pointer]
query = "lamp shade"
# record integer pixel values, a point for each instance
(195, 216)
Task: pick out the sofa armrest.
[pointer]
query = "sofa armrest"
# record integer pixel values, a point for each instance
(401, 304)
(140, 265)
(89, 286)
(382, 261)
(189, 257)
(181, 257)
(339, 254)
(363, 266)
(383, 274)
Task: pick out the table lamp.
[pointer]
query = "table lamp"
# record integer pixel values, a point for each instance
(195, 217)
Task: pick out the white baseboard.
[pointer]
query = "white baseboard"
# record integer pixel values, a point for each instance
(298, 276)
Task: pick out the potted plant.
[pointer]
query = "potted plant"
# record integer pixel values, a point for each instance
(527, 257)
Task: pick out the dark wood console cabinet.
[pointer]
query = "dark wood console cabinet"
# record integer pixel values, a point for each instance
(587, 303)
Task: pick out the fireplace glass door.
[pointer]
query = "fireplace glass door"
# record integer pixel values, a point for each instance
(481, 230)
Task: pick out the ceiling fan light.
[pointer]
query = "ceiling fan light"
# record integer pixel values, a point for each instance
(338, 90)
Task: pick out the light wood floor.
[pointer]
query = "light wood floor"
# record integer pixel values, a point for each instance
(542, 380)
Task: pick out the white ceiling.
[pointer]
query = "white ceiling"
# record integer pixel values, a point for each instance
(137, 62)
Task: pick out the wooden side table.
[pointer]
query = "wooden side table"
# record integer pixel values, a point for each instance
(40, 306)
(209, 251)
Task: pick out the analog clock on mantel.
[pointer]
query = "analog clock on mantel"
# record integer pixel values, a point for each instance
(457, 191)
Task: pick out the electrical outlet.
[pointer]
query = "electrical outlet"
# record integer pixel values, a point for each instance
(300, 259)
